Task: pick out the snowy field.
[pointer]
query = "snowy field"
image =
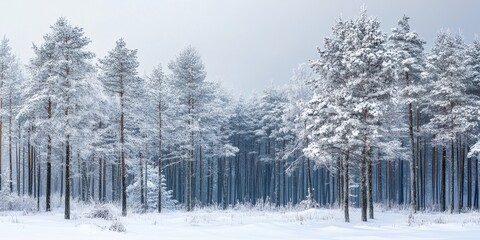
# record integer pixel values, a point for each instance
(240, 223)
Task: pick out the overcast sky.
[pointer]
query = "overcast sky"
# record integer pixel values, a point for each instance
(245, 44)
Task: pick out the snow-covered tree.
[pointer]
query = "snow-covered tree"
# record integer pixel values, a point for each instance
(161, 115)
(58, 95)
(7, 74)
(119, 75)
(448, 100)
(353, 93)
(407, 51)
(188, 79)
(298, 94)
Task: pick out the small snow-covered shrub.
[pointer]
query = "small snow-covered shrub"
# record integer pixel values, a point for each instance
(117, 226)
(10, 201)
(103, 211)
(439, 220)
(151, 184)
(308, 203)
(411, 219)
(14, 219)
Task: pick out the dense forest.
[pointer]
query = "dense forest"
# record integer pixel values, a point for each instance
(375, 120)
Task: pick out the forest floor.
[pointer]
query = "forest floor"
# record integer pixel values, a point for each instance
(239, 223)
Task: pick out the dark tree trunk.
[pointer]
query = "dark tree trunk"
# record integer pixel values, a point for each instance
(363, 185)
(160, 156)
(475, 197)
(10, 140)
(469, 180)
(39, 184)
(413, 179)
(443, 179)
(434, 175)
(67, 177)
(142, 187)
(369, 183)
(100, 178)
(122, 156)
(452, 175)
(49, 160)
(379, 179)
(459, 174)
(346, 191)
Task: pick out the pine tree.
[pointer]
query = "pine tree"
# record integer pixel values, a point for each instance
(188, 78)
(407, 50)
(119, 75)
(447, 99)
(7, 61)
(354, 91)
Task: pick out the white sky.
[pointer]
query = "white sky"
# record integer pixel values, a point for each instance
(245, 44)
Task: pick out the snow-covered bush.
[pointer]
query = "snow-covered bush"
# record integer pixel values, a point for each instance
(103, 211)
(11, 201)
(117, 226)
(151, 191)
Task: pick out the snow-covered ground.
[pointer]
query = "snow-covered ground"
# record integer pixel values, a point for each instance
(243, 223)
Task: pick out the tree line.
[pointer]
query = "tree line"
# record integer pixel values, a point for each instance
(375, 119)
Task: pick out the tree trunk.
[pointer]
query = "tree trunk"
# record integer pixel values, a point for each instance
(443, 179)
(452, 176)
(363, 184)
(142, 188)
(49, 160)
(67, 177)
(459, 174)
(379, 179)
(346, 192)
(39, 177)
(160, 156)
(100, 178)
(475, 197)
(369, 183)
(309, 174)
(413, 179)
(469, 179)
(225, 184)
(29, 163)
(17, 145)
(122, 156)
(434, 175)
(10, 139)
(424, 177)
(104, 180)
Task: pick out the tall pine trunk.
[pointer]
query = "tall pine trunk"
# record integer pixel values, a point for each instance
(452, 175)
(434, 175)
(67, 177)
(122, 153)
(363, 184)
(413, 179)
(10, 138)
(159, 200)
(379, 178)
(475, 194)
(49, 160)
(309, 174)
(346, 191)
(369, 183)
(469, 179)
(443, 179)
